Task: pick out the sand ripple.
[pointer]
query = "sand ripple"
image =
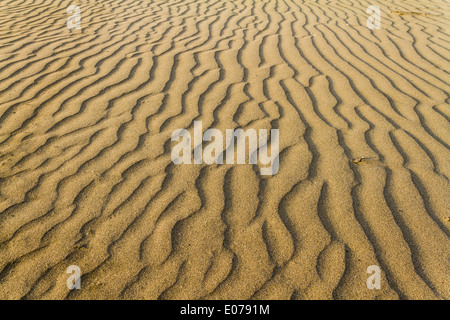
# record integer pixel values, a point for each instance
(86, 176)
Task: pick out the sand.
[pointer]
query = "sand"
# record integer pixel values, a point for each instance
(86, 176)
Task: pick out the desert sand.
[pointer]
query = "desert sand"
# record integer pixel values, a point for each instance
(86, 176)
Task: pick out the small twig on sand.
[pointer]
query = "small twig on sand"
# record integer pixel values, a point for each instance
(360, 159)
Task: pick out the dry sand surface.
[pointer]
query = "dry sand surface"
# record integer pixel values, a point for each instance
(87, 179)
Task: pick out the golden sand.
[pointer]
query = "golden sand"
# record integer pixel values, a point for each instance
(86, 176)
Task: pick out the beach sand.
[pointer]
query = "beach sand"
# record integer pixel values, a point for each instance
(87, 179)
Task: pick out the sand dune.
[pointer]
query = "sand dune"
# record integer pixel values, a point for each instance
(86, 176)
